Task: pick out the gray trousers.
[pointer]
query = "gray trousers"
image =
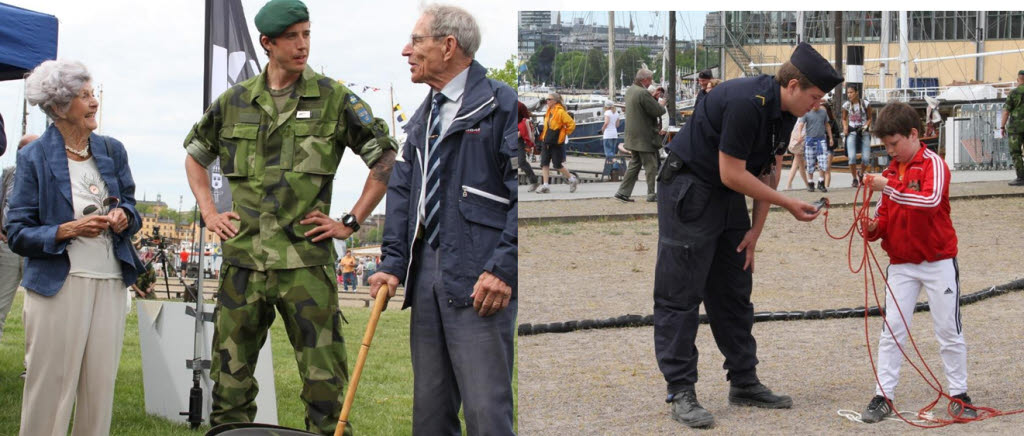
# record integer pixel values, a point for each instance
(649, 160)
(458, 357)
(10, 278)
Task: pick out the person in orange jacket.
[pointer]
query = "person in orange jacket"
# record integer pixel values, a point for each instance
(559, 124)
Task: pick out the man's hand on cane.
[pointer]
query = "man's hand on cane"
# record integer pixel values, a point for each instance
(382, 278)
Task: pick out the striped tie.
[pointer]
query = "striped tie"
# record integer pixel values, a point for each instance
(432, 204)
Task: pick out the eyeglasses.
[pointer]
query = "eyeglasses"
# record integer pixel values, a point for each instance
(414, 38)
(107, 203)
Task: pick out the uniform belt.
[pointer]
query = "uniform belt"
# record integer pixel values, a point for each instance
(672, 167)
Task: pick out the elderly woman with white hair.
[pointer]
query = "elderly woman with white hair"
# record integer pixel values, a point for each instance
(72, 215)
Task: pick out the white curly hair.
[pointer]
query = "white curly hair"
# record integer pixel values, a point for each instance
(53, 84)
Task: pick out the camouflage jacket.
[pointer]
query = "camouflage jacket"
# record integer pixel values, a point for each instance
(1015, 106)
(281, 166)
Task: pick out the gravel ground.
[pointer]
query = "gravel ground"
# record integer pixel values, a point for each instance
(606, 269)
(607, 382)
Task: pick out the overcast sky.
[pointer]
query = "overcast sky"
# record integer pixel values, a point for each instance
(148, 57)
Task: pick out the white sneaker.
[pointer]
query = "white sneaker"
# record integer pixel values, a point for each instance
(533, 186)
(544, 189)
(573, 183)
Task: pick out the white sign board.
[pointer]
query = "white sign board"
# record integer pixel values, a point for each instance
(166, 336)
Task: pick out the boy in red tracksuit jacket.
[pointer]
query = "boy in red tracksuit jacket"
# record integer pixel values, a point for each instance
(912, 219)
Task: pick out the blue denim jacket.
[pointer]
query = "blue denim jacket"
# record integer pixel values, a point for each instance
(478, 224)
(42, 201)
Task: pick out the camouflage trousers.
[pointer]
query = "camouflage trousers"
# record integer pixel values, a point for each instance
(1016, 141)
(307, 299)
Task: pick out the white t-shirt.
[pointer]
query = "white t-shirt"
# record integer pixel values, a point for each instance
(611, 132)
(856, 113)
(91, 257)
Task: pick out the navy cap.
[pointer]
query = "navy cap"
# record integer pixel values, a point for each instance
(815, 67)
(704, 74)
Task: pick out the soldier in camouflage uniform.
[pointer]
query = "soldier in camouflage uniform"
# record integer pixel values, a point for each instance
(1014, 108)
(280, 137)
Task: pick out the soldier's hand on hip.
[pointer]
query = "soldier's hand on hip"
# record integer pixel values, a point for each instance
(325, 227)
(490, 294)
(802, 210)
(220, 223)
(382, 278)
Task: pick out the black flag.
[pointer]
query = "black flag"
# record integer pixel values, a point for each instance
(230, 59)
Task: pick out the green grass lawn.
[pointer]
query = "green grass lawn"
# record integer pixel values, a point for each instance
(383, 404)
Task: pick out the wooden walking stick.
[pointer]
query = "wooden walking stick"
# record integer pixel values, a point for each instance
(371, 326)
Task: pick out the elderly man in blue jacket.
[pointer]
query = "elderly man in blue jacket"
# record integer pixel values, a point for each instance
(451, 232)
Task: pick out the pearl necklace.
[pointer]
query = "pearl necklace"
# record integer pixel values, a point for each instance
(83, 153)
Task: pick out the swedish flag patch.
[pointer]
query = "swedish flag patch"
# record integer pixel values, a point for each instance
(360, 109)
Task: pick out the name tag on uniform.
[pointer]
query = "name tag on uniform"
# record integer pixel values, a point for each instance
(302, 115)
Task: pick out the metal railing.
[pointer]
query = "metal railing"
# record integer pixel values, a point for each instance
(877, 95)
(970, 136)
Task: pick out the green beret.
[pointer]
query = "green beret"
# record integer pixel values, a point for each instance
(1020, 73)
(277, 15)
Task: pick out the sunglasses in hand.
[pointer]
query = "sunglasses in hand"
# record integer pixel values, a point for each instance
(109, 204)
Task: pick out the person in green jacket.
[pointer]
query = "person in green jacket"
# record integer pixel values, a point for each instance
(642, 139)
(1013, 127)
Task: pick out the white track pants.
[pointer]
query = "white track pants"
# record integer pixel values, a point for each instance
(941, 280)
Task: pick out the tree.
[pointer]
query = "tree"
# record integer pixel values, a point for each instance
(541, 63)
(596, 68)
(507, 74)
(568, 69)
(629, 61)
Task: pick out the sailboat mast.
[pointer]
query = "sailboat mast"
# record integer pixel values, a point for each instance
(884, 51)
(391, 93)
(611, 56)
(904, 50)
(671, 70)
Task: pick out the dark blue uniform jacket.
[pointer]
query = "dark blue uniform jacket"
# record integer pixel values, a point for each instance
(740, 117)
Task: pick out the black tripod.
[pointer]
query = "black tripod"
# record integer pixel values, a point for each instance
(161, 256)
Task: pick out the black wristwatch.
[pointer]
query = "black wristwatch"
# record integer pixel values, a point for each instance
(351, 222)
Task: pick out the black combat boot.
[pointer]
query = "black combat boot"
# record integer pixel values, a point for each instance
(758, 395)
(687, 411)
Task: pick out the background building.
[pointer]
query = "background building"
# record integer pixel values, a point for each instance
(942, 46)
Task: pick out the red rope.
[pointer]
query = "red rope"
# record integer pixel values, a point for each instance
(861, 216)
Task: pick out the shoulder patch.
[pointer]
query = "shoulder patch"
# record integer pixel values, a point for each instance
(360, 109)
(761, 97)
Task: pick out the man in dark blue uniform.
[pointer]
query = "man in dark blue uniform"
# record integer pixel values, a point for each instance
(731, 147)
(702, 82)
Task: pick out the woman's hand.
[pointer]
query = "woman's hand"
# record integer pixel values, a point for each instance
(118, 220)
(87, 227)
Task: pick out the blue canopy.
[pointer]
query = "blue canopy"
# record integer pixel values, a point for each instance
(27, 38)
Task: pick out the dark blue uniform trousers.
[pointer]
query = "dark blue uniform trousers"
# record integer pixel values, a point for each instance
(458, 357)
(699, 228)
